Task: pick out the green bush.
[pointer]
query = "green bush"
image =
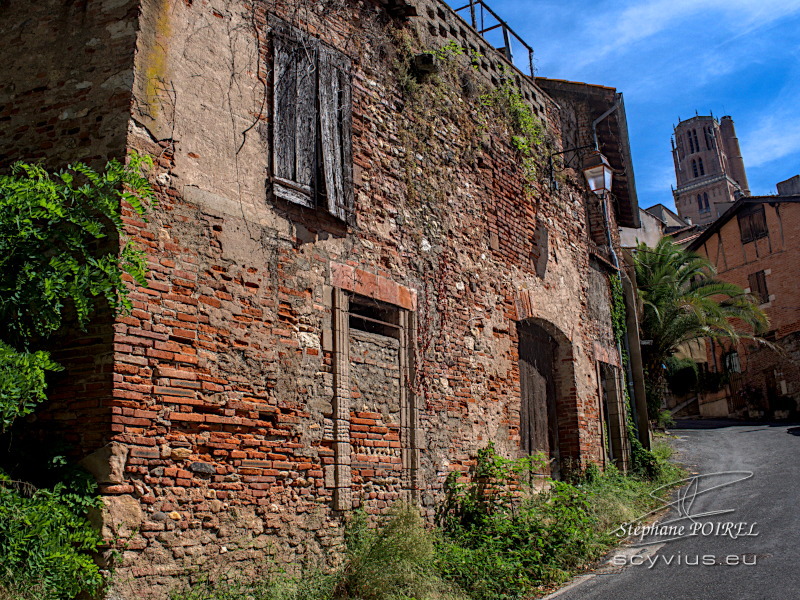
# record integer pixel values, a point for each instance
(506, 545)
(503, 549)
(63, 255)
(46, 540)
(22, 382)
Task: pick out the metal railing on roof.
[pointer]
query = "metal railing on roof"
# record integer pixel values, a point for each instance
(477, 15)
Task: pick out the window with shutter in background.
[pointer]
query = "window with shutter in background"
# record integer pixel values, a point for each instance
(312, 162)
(752, 222)
(758, 286)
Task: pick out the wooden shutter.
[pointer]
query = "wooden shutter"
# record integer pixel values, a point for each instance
(752, 223)
(758, 286)
(294, 115)
(746, 228)
(335, 113)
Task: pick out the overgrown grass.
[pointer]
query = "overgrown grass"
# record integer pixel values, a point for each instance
(490, 544)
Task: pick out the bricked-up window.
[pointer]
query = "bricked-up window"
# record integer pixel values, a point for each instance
(758, 286)
(752, 222)
(312, 123)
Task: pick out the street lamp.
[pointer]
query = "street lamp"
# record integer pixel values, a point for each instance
(596, 169)
(598, 173)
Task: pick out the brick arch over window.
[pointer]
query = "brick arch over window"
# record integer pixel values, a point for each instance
(548, 400)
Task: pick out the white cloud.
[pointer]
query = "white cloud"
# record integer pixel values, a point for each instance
(641, 21)
(774, 136)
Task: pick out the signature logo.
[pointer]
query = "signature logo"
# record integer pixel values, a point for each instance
(693, 513)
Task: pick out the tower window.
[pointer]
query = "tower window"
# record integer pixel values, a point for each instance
(691, 145)
(700, 164)
(702, 202)
(694, 168)
(696, 143)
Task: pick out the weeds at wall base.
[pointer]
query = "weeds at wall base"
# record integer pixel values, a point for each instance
(488, 544)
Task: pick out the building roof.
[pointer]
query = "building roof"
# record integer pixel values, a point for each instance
(735, 208)
(665, 215)
(612, 138)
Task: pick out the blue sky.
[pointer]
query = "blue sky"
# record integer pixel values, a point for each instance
(671, 58)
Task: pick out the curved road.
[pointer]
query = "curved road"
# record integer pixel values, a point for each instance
(765, 520)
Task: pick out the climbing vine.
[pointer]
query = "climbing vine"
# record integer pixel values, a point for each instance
(618, 314)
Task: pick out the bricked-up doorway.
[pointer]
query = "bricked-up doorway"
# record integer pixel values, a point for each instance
(375, 430)
(539, 355)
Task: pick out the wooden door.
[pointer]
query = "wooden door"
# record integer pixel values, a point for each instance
(538, 421)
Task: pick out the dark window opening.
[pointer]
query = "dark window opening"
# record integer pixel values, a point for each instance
(702, 202)
(694, 168)
(752, 223)
(758, 286)
(700, 164)
(731, 362)
(373, 316)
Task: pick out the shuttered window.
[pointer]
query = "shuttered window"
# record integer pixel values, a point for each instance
(758, 286)
(312, 161)
(752, 223)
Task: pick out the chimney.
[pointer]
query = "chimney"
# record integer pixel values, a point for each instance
(790, 187)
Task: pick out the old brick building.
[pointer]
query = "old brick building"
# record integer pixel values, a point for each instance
(708, 167)
(756, 244)
(356, 281)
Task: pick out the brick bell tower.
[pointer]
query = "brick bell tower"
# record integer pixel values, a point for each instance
(709, 168)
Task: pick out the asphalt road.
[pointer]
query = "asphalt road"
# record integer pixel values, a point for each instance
(768, 503)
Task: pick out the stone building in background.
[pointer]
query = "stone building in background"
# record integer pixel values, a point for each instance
(709, 168)
(356, 280)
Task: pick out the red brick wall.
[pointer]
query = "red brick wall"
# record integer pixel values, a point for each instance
(224, 383)
(777, 254)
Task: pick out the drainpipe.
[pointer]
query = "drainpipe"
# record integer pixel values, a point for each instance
(635, 385)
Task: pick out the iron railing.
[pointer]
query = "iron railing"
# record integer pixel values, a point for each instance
(477, 14)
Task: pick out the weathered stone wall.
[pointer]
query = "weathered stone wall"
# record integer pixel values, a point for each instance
(67, 75)
(225, 373)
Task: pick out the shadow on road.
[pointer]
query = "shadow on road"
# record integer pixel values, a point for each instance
(723, 423)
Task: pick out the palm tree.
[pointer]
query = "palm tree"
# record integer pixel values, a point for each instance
(684, 301)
